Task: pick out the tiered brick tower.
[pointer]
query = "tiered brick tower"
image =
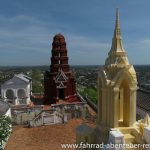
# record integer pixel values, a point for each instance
(59, 82)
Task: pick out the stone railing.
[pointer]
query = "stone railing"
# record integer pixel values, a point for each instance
(47, 117)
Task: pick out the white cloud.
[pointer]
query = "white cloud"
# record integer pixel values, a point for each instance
(85, 50)
(85, 43)
(22, 36)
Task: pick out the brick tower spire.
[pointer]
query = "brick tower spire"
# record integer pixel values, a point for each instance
(59, 82)
(59, 59)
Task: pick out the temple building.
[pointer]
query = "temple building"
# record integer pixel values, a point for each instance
(59, 82)
(17, 90)
(117, 87)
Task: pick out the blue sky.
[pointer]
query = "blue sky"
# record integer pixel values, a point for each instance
(27, 28)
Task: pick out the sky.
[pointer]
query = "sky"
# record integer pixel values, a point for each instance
(27, 28)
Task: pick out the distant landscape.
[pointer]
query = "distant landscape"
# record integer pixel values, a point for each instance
(86, 77)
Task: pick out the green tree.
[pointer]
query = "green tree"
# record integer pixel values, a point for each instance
(5, 129)
(89, 92)
(37, 81)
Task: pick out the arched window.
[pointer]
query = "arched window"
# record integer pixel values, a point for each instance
(21, 93)
(124, 104)
(10, 94)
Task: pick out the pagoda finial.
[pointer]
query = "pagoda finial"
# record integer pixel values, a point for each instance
(117, 54)
(117, 25)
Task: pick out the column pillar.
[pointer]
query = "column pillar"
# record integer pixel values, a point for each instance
(104, 107)
(115, 107)
(99, 105)
(4, 93)
(132, 106)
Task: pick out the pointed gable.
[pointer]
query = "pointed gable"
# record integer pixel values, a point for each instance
(60, 77)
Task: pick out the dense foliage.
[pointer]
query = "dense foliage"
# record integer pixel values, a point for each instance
(88, 92)
(37, 81)
(5, 129)
(91, 93)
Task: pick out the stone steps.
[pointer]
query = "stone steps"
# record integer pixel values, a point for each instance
(129, 138)
(128, 134)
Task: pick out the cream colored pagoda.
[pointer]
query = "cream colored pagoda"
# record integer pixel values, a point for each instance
(117, 86)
